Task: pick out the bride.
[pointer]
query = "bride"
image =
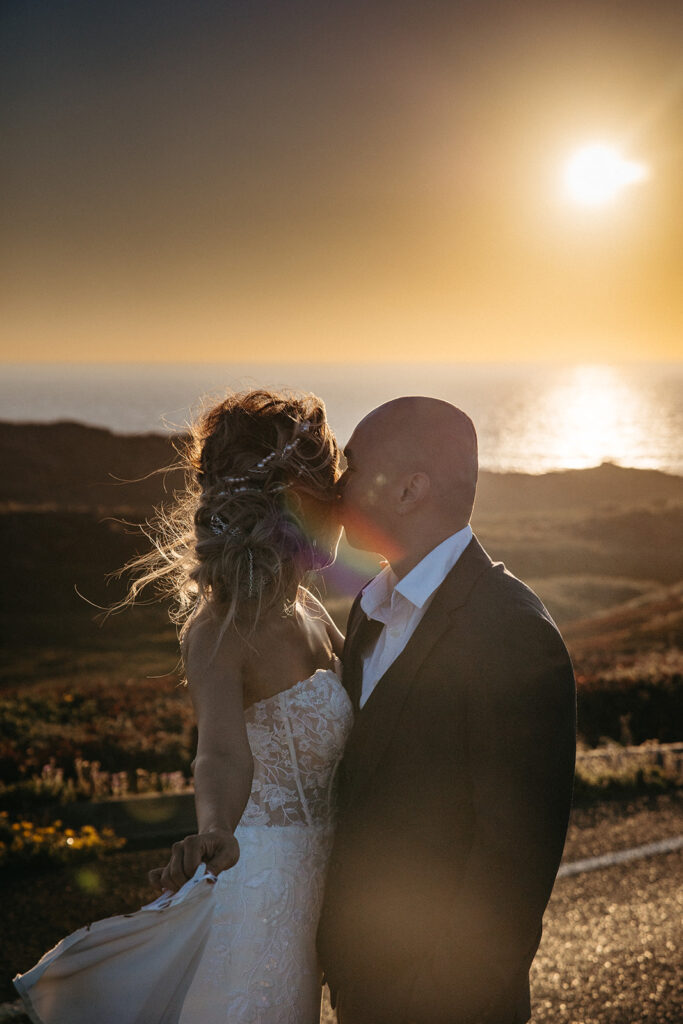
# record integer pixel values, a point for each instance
(232, 938)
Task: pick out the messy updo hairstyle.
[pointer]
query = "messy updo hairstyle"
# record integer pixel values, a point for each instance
(236, 537)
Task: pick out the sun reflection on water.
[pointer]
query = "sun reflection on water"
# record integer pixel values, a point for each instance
(589, 415)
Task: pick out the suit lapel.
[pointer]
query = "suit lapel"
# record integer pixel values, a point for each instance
(376, 722)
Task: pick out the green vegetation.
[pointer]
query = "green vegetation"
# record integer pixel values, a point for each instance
(91, 710)
(25, 844)
(137, 724)
(595, 783)
(632, 703)
(94, 737)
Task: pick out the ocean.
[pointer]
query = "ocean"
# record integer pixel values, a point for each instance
(529, 418)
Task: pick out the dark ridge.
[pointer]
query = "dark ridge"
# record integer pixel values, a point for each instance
(67, 465)
(72, 465)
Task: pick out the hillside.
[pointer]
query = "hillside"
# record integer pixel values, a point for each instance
(586, 540)
(69, 464)
(650, 624)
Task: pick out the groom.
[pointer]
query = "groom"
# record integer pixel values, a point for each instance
(456, 783)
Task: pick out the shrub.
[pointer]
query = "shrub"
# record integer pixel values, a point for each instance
(23, 843)
(594, 783)
(51, 787)
(632, 703)
(145, 724)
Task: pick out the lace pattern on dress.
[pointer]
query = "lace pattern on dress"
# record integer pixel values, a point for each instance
(260, 963)
(297, 739)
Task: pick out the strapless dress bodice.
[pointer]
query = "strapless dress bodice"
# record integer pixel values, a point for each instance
(297, 738)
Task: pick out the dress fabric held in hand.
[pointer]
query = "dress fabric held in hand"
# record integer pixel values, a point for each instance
(247, 953)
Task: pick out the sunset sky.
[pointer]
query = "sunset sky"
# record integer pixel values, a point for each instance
(216, 180)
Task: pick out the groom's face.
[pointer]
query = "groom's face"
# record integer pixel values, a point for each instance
(365, 489)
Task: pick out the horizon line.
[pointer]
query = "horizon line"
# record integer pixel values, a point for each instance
(483, 468)
(564, 361)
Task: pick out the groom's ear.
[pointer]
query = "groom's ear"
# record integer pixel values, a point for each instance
(414, 490)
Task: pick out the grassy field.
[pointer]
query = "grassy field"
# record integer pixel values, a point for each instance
(113, 694)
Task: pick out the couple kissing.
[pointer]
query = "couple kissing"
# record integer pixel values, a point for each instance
(386, 811)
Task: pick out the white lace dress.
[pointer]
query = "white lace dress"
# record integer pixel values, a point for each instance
(239, 949)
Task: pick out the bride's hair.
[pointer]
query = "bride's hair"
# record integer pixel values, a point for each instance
(236, 537)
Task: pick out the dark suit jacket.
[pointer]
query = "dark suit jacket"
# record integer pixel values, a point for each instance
(455, 791)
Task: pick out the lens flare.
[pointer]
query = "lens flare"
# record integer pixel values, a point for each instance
(88, 879)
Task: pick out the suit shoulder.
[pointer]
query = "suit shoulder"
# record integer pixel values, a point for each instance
(507, 616)
(513, 647)
(504, 595)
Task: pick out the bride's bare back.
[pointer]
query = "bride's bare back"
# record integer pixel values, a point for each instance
(285, 650)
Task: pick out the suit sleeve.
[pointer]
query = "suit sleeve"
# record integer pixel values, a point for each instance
(521, 727)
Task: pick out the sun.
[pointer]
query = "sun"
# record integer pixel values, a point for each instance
(597, 173)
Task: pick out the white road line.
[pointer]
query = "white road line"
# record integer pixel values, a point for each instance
(608, 859)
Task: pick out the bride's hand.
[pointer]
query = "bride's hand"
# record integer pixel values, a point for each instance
(218, 849)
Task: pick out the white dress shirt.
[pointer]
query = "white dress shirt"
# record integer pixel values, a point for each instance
(400, 604)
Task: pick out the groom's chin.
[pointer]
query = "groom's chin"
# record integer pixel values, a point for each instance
(353, 542)
(364, 538)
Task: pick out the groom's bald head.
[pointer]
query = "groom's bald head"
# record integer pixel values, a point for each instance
(426, 434)
(424, 444)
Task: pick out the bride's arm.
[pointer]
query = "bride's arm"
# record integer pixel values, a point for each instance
(223, 767)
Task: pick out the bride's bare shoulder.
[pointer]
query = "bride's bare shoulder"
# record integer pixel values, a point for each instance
(214, 667)
(204, 642)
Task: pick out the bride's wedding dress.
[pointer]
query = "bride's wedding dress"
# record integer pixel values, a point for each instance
(239, 949)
